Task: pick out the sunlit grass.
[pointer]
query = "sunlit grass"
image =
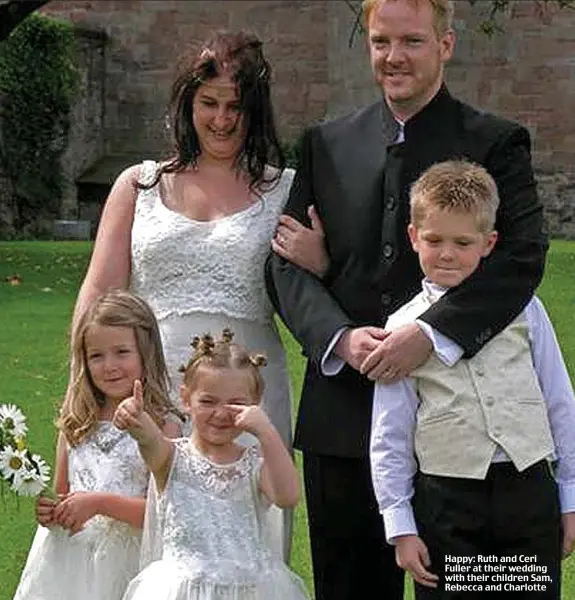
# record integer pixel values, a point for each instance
(34, 322)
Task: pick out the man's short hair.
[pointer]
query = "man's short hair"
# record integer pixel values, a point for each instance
(442, 13)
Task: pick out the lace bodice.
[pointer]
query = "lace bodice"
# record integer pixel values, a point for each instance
(180, 265)
(107, 461)
(211, 516)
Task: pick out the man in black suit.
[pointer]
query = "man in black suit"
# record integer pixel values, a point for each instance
(357, 171)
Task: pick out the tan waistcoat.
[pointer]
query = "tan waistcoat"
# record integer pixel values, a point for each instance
(491, 399)
(469, 409)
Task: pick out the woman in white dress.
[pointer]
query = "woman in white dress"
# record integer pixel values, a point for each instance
(190, 235)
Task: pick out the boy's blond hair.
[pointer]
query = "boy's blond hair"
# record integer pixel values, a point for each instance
(442, 13)
(456, 185)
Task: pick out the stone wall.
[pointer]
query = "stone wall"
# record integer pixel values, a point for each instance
(145, 38)
(6, 213)
(87, 136)
(526, 74)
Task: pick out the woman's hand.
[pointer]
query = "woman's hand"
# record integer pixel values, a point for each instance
(301, 245)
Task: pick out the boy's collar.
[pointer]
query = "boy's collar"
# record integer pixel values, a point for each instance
(432, 291)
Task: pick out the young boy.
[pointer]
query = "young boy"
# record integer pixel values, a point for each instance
(463, 455)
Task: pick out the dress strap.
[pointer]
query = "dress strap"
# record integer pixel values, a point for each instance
(148, 171)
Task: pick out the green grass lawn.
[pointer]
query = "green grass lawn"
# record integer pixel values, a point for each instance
(34, 321)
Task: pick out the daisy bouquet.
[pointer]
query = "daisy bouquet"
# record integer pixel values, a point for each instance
(27, 474)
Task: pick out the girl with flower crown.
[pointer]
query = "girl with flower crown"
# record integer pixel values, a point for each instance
(88, 542)
(205, 536)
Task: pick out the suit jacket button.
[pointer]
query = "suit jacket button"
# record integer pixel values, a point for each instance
(390, 203)
(385, 299)
(387, 250)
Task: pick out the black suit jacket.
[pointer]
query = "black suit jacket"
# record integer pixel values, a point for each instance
(359, 180)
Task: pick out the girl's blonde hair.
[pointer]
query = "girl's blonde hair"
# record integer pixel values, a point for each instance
(224, 354)
(81, 408)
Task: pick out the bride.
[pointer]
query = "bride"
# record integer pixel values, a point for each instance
(190, 235)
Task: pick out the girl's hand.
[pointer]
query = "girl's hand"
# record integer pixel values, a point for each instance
(45, 511)
(411, 554)
(75, 509)
(130, 412)
(250, 418)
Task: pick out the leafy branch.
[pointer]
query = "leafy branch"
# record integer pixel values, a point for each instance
(490, 25)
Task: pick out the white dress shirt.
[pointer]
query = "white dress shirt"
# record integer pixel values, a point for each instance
(394, 419)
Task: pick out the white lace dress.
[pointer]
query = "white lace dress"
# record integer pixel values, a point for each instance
(98, 562)
(202, 276)
(204, 536)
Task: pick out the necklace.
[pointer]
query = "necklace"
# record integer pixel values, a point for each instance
(105, 439)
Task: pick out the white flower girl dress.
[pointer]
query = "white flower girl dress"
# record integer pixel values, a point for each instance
(98, 562)
(205, 538)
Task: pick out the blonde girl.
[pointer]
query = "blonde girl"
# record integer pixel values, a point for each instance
(87, 545)
(205, 526)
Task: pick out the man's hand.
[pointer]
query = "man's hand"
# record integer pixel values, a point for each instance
(411, 554)
(568, 520)
(404, 349)
(355, 345)
(301, 245)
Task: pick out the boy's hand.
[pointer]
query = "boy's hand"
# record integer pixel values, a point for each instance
(75, 509)
(130, 411)
(45, 511)
(411, 554)
(250, 418)
(568, 520)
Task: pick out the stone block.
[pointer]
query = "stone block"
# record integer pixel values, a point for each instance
(71, 230)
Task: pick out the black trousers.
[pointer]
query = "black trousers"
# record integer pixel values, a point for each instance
(508, 514)
(348, 547)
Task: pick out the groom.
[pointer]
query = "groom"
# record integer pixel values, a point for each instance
(357, 171)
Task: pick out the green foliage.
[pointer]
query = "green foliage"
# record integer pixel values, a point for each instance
(490, 25)
(291, 152)
(38, 83)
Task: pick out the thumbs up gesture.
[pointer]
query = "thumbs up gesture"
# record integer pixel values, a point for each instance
(301, 245)
(130, 412)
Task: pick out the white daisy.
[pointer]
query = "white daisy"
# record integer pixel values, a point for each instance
(13, 420)
(31, 480)
(12, 462)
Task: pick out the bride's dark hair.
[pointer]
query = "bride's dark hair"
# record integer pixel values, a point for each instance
(239, 56)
